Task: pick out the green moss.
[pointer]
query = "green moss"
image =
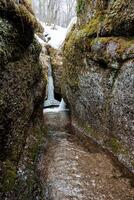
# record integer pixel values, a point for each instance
(118, 22)
(123, 49)
(18, 13)
(88, 129)
(114, 144)
(34, 149)
(9, 177)
(132, 163)
(92, 28)
(75, 47)
(80, 6)
(28, 181)
(124, 44)
(111, 143)
(81, 39)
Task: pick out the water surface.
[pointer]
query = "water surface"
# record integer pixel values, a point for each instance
(72, 167)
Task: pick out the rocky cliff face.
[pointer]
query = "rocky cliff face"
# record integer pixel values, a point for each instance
(57, 66)
(22, 85)
(98, 74)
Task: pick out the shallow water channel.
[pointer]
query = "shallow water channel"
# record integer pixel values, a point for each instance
(73, 167)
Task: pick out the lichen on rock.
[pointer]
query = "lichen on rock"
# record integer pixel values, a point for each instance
(98, 73)
(22, 86)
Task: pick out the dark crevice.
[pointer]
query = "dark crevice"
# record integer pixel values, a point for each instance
(57, 96)
(102, 64)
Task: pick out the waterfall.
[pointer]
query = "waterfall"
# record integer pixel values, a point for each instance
(51, 104)
(60, 108)
(51, 101)
(62, 105)
(50, 89)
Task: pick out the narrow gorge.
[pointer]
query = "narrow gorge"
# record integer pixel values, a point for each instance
(67, 110)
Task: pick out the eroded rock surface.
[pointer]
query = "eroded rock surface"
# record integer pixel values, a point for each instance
(98, 74)
(22, 86)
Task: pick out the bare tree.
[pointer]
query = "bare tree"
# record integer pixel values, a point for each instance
(52, 11)
(70, 10)
(58, 12)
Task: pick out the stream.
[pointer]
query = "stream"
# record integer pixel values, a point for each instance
(72, 167)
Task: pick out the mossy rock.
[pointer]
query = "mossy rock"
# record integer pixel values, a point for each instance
(119, 19)
(22, 17)
(22, 86)
(28, 179)
(8, 176)
(80, 6)
(114, 145)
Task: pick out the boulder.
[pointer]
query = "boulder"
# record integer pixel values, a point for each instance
(22, 86)
(98, 72)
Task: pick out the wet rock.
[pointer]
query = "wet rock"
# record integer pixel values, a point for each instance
(98, 74)
(57, 66)
(119, 19)
(87, 9)
(44, 59)
(22, 86)
(121, 105)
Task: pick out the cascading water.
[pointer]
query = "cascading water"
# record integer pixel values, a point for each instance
(51, 101)
(73, 167)
(51, 104)
(62, 105)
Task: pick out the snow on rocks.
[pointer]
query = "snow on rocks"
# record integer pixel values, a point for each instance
(55, 35)
(42, 42)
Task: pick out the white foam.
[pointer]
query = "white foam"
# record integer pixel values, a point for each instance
(60, 108)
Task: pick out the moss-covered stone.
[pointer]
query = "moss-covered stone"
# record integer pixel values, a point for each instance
(80, 6)
(19, 13)
(22, 90)
(8, 176)
(27, 179)
(87, 9)
(115, 145)
(119, 20)
(98, 72)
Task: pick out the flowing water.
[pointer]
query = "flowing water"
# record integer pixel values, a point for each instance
(72, 167)
(51, 101)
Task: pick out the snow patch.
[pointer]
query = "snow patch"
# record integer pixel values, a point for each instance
(70, 26)
(55, 35)
(40, 40)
